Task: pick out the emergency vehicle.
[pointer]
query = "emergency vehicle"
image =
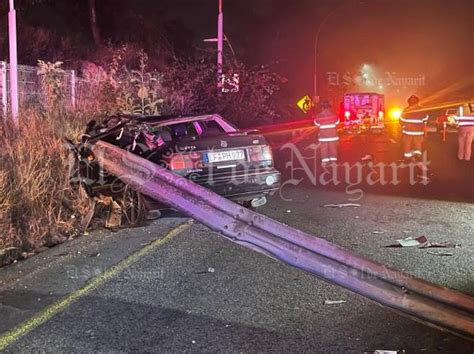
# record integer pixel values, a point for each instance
(363, 109)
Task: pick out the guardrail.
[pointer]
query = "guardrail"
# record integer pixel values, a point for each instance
(423, 301)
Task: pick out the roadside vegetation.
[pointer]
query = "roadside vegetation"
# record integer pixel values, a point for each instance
(38, 208)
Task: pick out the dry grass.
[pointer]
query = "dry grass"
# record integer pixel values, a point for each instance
(35, 198)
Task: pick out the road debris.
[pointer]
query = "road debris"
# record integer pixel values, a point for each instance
(343, 205)
(6, 250)
(422, 242)
(378, 232)
(288, 211)
(410, 242)
(207, 271)
(366, 157)
(442, 254)
(333, 302)
(26, 255)
(444, 244)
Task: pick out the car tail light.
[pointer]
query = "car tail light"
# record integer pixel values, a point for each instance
(260, 153)
(180, 162)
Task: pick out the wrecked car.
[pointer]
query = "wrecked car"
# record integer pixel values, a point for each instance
(206, 149)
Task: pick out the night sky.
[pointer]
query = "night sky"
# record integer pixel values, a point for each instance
(407, 38)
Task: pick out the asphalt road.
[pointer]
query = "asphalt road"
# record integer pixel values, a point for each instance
(196, 291)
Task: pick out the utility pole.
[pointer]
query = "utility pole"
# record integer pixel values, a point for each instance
(220, 46)
(13, 63)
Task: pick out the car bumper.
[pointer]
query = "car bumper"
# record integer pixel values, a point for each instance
(242, 186)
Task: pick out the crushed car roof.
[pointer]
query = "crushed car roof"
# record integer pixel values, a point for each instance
(157, 119)
(97, 130)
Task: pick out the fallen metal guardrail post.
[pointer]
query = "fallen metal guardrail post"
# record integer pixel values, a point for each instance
(426, 302)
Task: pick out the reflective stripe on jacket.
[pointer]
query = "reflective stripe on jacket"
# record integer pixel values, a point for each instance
(327, 122)
(412, 122)
(463, 119)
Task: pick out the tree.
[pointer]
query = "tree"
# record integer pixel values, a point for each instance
(93, 23)
(191, 88)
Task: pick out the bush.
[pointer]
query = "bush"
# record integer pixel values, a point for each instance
(191, 88)
(138, 91)
(52, 85)
(35, 198)
(186, 86)
(125, 86)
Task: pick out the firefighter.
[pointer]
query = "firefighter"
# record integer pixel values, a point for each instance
(327, 122)
(465, 120)
(413, 129)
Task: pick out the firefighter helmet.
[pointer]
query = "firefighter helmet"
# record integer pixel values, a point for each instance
(413, 99)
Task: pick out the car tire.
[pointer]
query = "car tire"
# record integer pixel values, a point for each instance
(133, 207)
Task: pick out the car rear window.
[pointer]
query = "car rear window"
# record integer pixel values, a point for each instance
(210, 127)
(195, 128)
(181, 130)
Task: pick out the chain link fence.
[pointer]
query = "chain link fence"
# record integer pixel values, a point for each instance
(30, 90)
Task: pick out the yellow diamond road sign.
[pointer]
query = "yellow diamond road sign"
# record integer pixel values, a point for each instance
(305, 104)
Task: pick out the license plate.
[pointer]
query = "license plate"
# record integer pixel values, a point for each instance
(229, 155)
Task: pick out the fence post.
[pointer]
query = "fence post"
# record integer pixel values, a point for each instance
(4, 92)
(12, 41)
(73, 89)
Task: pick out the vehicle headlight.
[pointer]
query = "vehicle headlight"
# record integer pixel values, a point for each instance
(270, 180)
